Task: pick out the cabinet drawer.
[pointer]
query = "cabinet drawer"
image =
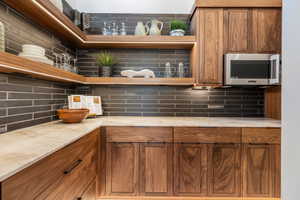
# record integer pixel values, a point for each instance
(139, 134)
(261, 135)
(207, 135)
(75, 181)
(32, 181)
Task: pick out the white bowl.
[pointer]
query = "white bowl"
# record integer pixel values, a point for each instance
(37, 59)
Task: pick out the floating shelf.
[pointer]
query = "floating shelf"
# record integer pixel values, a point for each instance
(139, 81)
(131, 41)
(10, 63)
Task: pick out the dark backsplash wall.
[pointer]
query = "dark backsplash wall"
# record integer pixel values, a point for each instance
(26, 101)
(180, 101)
(135, 59)
(131, 20)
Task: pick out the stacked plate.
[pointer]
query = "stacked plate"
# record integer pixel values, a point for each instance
(35, 53)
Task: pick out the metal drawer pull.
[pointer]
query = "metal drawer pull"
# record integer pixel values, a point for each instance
(72, 167)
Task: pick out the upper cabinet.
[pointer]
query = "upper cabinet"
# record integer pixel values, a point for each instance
(232, 30)
(266, 30)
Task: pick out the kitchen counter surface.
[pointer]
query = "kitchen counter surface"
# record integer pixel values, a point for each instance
(21, 148)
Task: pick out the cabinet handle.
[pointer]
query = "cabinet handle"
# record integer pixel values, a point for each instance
(72, 167)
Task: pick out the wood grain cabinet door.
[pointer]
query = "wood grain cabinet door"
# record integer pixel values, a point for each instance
(267, 30)
(237, 30)
(190, 169)
(261, 170)
(156, 173)
(211, 46)
(224, 172)
(122, 169)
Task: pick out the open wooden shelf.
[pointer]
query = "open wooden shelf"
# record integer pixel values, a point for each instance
(131, 41)
(10, 63)
(139, 81)
(46, 14)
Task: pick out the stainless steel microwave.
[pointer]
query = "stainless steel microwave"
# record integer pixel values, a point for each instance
(252, 69)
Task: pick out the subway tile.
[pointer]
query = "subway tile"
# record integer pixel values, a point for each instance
(15, 103)
(3, 95)
(15, 88)
(31, 109)
(28, 96)
(25, 124)
(16, 118)
(43, 114)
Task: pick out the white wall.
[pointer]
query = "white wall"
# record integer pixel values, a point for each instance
(291, 101)
(134, 6)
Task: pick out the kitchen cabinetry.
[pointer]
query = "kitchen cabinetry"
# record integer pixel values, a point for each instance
(224, 170)
(190, 164)
(211, 46)
(237, 30)
(261, 162)
(266, 30)
(62, 176)
(147, 154)
(252, 30)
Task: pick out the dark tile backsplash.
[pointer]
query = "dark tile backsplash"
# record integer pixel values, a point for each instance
(135, 59)
(180, 101)
(97, 20)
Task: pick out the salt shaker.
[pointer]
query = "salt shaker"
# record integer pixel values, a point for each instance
(180, 70)
(168, 71)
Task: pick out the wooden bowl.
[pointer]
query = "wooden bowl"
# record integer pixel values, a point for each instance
(72, 115)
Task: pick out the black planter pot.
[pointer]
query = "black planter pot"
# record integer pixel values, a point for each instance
(106, 71)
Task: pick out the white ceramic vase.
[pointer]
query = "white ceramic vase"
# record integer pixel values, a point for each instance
(154, 27)
(140, 29)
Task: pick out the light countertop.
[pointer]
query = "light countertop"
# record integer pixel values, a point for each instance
(21, 148)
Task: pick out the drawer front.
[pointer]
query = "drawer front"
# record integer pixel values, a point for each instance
(32, 181)
(139, 134)
(207, 135)
(261, 135)
(74, 183)
(90, 192)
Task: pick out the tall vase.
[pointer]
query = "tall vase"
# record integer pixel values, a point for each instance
(2, 37)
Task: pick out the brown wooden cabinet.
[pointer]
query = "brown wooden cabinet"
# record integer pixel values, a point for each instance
(156, 169)
(63, 175)
(237, 30)
(211, 46)
(190, 169)
(224, 172)
(266, 30)
(258, 174)
(122, 169)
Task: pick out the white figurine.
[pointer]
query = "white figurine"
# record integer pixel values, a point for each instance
(146, 73)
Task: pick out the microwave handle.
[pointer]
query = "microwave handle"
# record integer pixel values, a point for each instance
(275, 69)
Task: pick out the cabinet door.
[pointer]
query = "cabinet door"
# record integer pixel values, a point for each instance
(237, 26)
(224, 170)
(267, 30)
(156, 169)
(261, 170)
(190, 164)
(211, 46)
(122, 169)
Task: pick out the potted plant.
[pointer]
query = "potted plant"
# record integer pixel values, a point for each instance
(178, 28)
(106, 61)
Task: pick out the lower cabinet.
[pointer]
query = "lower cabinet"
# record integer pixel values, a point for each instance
(224, 174)
(261, 175)
(63, 175)
(190, 169)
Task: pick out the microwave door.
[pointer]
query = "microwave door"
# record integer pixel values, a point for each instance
(275, 69)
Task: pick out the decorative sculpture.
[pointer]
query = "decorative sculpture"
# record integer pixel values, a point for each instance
(146, 73)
